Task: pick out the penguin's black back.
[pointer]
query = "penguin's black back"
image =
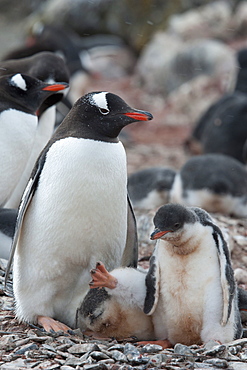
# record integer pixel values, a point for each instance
(216, 172)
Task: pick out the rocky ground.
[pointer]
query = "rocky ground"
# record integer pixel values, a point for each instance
(21, 346)
(156, 143)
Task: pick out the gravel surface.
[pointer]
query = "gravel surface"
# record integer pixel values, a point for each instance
(159, 142)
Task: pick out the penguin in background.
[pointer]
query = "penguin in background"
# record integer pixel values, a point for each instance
(191, 291)
(214, 182)
(45, 66)
(77, 199)
(150, 188)
(50, 68)
(7, 228)
(61, 42)
(20, 97)
(222, 128)
(50, 38)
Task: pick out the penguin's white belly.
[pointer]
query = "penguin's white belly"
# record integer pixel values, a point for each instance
(77, 216)
(43, 134)
(17, 132)
(226, 204)
(190, 293)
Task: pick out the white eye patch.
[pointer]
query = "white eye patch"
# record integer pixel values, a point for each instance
(18, 81)
(100, 101)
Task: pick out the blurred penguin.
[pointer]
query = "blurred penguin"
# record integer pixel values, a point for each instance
(150, 188)
(215, 182)
(223, 127)
(50, 68)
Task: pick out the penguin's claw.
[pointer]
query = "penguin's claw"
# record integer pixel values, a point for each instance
(101, 267)
(51, 325)
(102, 278)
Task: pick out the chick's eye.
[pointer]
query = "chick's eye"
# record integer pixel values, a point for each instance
(104, 111)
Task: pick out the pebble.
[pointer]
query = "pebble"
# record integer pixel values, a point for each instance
(181, 349)
(156, 360)
(151, 348)
(243, 356)
(98, 355)
(24, 349)
(215, 350)
(82, 348)
(218, 363)
(118, 356)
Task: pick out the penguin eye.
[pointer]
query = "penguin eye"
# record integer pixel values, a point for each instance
(104, 111)
(176, 225)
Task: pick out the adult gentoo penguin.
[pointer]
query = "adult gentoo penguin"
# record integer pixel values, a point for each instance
(114, 305)
(77, 200)
(191, 292)
(20, 97)
(50, 68)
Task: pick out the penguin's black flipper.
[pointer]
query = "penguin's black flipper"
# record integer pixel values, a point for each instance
(26, 198)
(130, 255)
(226, 272)
(152, 285)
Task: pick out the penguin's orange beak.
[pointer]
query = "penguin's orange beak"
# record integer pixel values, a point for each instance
(139, 115)
(157, 234)
(56, 87)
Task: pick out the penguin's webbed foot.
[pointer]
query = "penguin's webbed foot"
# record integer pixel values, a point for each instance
(163, 343)
(102, 278)
(51, 325)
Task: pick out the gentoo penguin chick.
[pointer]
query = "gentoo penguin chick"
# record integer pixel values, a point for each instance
(150, 188)
(7, 228)
(50, 68)
(77, 200)
(191, 292)
(20, 97)
(115, 307)
(214, 182)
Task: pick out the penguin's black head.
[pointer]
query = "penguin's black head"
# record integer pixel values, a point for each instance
(171, 219)
(26, 93)
(105, 114)
(50, 68)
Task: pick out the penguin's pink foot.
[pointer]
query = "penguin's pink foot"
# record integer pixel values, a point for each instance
(163, 343)
(102, 278)
(50, 324)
